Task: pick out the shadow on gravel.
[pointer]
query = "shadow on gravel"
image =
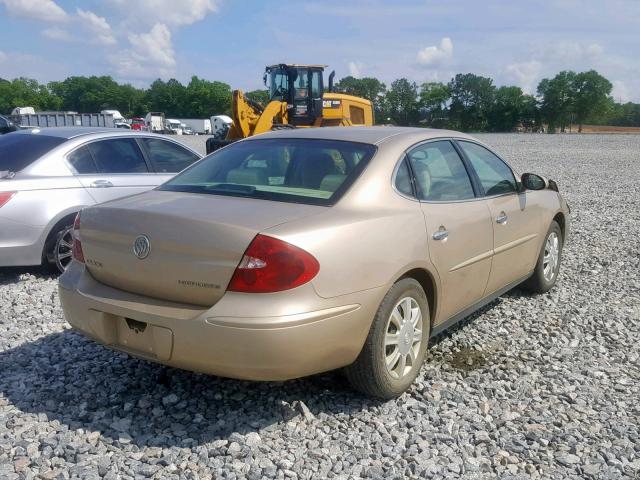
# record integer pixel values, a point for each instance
(84, 385)
(65, 377)
(10, 275)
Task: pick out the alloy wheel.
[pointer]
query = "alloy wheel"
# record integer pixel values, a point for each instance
(63, 249)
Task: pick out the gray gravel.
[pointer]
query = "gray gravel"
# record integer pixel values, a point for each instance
(531, 387)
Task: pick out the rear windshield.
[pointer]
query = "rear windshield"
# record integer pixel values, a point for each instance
(18, 151)
(316, 172)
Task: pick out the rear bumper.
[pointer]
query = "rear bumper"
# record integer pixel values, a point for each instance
(269, 347)
(20, 244)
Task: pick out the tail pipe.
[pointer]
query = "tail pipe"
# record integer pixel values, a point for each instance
(331, 75)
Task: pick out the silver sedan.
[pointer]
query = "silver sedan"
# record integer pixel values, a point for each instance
(47, 175)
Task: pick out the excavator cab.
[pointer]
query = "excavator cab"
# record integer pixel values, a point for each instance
(301, 87)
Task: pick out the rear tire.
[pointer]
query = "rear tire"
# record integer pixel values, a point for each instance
(395, 348)
(548, 264)
(57, 250)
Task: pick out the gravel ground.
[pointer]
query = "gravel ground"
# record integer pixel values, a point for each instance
(531, 387)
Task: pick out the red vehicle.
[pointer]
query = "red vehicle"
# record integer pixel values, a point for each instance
(138, 124)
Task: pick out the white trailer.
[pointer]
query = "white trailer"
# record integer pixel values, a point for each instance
(154, 121)
(201, 126)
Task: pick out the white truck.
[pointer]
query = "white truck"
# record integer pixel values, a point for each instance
(117, 116)
(200, 126)
(23, 111)
(172, 126)
(154, 121)
(220, 125)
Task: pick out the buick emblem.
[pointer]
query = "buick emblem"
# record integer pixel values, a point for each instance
(141, 247)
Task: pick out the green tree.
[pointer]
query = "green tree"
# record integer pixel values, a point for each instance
(168, 97)
(508, 109)
(591, 95)
(203, 98)
(401, 102)
(556, 99)
(260, 96)
(433, 99)
(472, 97)
(25, 92)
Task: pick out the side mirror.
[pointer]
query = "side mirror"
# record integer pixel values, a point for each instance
(531, 181)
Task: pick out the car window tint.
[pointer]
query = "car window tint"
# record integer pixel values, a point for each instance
(3, 123)
(495, 176)
(403, 179)
(82, 161)
(120, 155)
(440, 173)
(296, 170)
(167, 157)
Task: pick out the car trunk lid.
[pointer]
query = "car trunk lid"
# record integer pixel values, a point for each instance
(195, 241)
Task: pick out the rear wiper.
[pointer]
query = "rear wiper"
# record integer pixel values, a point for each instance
(7, 174)
(232, 188)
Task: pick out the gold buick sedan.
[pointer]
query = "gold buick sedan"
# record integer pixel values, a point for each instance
(301, 251)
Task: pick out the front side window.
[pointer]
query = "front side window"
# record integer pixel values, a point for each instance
(279, 85)
(3, 123)
(316, 172)
(439, 172)
(120, 155)
(495, 176)
(167, 157)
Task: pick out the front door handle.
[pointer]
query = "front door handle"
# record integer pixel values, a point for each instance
(502, 218)
(441, 234)
(101, 184)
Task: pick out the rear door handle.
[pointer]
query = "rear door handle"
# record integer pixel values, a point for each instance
(101, 184)
(502, 218)
(441, 234)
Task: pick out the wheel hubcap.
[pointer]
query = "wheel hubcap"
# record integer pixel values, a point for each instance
(403, 337)
(63, 251)
(551, 256)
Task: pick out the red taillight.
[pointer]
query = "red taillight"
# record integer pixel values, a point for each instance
(76, 248)
(272, 265)
(5, 197)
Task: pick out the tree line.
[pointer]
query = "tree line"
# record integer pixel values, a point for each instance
(468, 102)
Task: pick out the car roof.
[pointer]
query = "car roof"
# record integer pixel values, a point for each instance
(71, 132)
(372, 135)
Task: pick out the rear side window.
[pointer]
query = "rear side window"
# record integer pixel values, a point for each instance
(120, 155)
(19, 150)
(439, 172)
(495, 176)
(291, 170)
(403, 179)
(167, 157)
(82, 161)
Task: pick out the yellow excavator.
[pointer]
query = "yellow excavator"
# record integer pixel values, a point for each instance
(296, 100)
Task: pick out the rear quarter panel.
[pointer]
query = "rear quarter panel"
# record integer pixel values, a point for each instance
(360, 249)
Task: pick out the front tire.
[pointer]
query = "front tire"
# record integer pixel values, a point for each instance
(394, 350)
(548, 265)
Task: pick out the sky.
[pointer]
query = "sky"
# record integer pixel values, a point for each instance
(514, 42)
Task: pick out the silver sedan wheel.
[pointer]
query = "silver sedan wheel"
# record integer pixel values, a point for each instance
(551, 256)
(63, 249)
(403, 337)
